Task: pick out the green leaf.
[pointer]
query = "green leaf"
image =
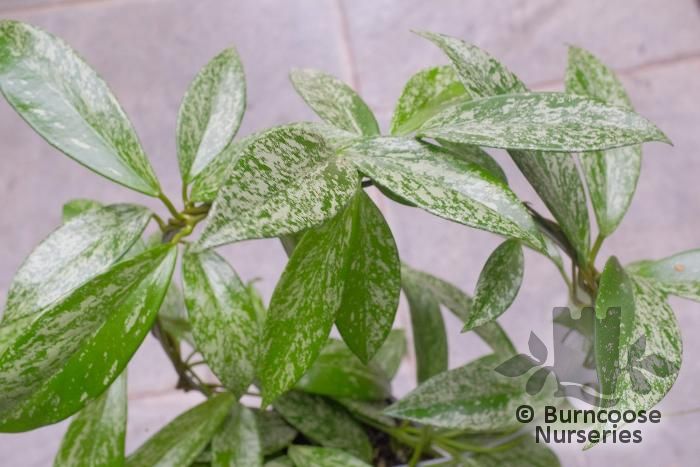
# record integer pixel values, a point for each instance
(76, 252)
(206, 185)
(544, 121)
(426, 93)
(527, 453)
(473, 397)
(210, 113)
(172, 315)
(71, 351)
(475, 155)
(281, 461)
(391, 353)
(96, 435)
(615, 312)
(611, 175)
(445, 185)
(76, 207)
(67, 103)
(460, 305)
(367, 410)
(237, 443)
(429, 337)
(554, 177)
(307, 456)
(678, 274)
(324, 423)
(224, 321)
(498, 284)
(324, 281)
(334, 101)
(372, 281)
(287, 179)
(275, 433)
(337, 372)
(181, 440)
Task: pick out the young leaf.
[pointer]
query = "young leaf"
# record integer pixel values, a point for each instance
(71, 352)
(308, 456)
(614, 309)
(337, 372)
(324, 281)
(237, 443)
(181, 440)
(224, 321)
(287, 179)
(275, 433)
(498, 284)
(67, 103)
(391, 353)
(79, 250)
(554, 177)
(429, 338)
(426, 93)
(210, 113)
(335, 102)
(678, 274)
(445, 185)
(460, 305)
(324, 423)
(611, 175)
(96, 435)
(206, 185)
(473, 397)
(547, 121)
(76, 207)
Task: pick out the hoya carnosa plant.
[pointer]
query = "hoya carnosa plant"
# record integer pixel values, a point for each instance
(87, 296)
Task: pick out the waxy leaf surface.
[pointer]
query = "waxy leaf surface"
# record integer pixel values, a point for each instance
(308, 456)
(237, 443)
(678, 274)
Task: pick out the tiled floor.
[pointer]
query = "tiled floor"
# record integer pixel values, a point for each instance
(149, 50)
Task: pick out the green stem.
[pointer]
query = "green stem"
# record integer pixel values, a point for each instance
(422, 443)
(596, 248)
(171, 207)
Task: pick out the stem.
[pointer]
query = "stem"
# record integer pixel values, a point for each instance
(171, 207)
(418, 451)
(161, 223)
(596, 248)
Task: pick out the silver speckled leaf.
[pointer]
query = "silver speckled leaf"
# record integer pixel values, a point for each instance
(96, 435)
(475, 155)
(73, 350)
(554, 177)
(309, 456)
(210, 113)
(445, 185)
(611, 175)
(181, 440)
(527, 453)
(678, 274)
(78, 206)
(275, 433)
(324, 423)
(335, 102)
(237, 443)
(429, 337)
(224, 320)
(288, 179)
(67, 103)
(426, 93)
(79, 250)
(498, 284)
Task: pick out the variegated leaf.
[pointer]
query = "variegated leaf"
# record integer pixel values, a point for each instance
(67, 103)
(224, 321)
(527, 453)
(460, 304)
(611, 175)
(426, 93)
(554, 177)
(678, 274)
(498, 284)
(206, 185)
(324, 423)
(474, 397)
(275, 433)
(545, 121)
(71, 352)
(76, 207)
(288, 179)
(308, 456)
(367, 410)
(211, 113)
(79, 250)
(475, 155)
(281, 461)
(391, 353)
(237, 443)
(429, 337)
(181, 440)
(172, 315)
(337, 372)
(445, 185)
(335, 102)
(97, 433)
